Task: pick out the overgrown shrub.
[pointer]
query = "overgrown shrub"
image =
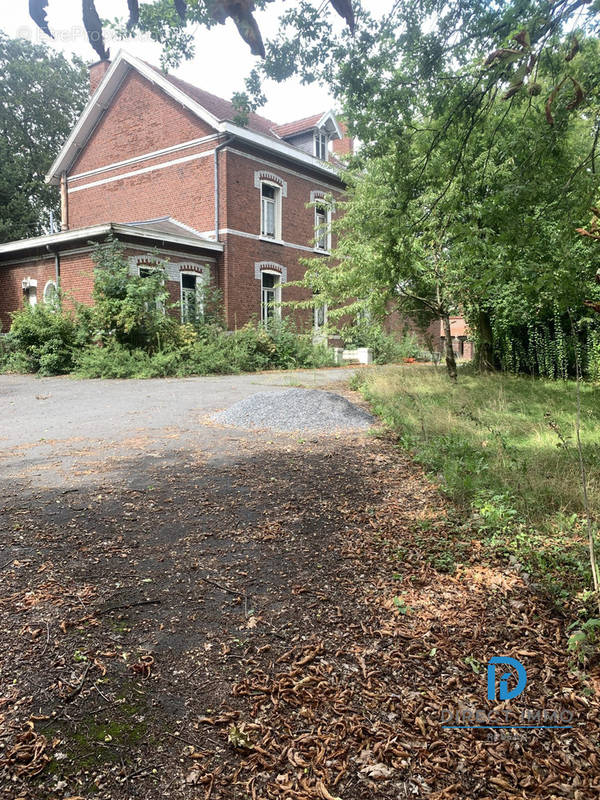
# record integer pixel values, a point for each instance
(547, 348)
(130, 309)
(206, 350)
(41, 339)
(129, 333)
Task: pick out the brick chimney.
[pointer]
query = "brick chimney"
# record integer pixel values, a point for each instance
(97, 72)
(345, 145)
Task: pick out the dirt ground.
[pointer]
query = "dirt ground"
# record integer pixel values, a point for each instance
(200, 613)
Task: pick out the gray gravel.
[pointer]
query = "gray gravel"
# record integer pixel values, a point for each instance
(295, 410)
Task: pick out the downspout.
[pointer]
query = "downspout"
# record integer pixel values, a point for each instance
(223, 288)
(56, 269)
(218, 149)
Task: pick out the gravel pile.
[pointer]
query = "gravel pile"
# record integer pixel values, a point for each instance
(295, 410)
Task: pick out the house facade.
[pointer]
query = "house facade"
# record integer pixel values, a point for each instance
(165, 168)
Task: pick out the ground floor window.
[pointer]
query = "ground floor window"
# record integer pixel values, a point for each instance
(192, 308)
(50, 293)
(320, 318)
(145, 272)
(30, 291)
(270, 296)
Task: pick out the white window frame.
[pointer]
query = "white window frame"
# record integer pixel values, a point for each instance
(276, 211)
(321, 234)
(200, 282)
(321, 142)
(47, 300)
(264, 317)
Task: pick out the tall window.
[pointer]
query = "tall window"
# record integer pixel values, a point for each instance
(320, 315)
(321, 142)
(30, 293)
(322, 226)
(191, 297)
(270, 296)
(270, 217)
(146, 272)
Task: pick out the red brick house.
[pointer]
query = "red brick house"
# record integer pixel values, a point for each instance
(164, 166)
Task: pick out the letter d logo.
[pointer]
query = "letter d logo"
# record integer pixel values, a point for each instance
(505, 693)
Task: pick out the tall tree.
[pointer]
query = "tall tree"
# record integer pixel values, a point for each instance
(41, 96)
(474, 210)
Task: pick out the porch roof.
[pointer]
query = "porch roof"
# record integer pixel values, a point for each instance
(161, 231)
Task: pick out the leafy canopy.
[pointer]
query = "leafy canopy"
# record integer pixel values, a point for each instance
(41, 96)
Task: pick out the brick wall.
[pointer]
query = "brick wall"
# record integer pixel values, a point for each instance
(242, 214)
(11, 291)
(76, 279)
(140, 119)
(184, 191)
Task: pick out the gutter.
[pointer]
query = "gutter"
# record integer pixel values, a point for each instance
(56, 267)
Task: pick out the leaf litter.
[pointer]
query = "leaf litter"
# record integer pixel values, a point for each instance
(266, 623)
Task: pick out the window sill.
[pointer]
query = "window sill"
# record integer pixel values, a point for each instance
(272, 241)
(321, 251)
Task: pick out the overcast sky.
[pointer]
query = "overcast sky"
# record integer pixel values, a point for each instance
(222, 59)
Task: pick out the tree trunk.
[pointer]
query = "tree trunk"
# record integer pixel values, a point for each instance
(484, 356)
(449, 352)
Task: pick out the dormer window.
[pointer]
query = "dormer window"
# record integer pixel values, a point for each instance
(321, 145)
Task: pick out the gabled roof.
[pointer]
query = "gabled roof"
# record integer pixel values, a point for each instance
(221, 109)
(210, 109)
(324, 120)
(298, 126)
(164, 229)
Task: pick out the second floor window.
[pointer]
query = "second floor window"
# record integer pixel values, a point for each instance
(322, 227)
(270, 217)
(321, 142)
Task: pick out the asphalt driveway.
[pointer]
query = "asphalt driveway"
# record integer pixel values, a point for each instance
(55, 431)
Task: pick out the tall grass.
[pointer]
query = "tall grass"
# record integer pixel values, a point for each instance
(503, 448)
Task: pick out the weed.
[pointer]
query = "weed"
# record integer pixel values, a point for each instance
(491, 446)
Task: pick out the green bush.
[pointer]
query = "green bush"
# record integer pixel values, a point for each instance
(41, 339)
(129, 334)
(205, 350)
(130, 309)
(387, 349)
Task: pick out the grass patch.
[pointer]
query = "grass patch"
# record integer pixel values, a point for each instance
(502, 448)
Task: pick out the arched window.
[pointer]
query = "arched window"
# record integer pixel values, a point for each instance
(50, 293)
